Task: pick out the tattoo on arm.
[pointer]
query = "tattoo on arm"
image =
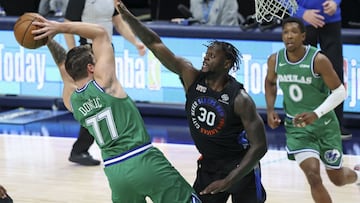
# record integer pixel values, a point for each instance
(57, 52)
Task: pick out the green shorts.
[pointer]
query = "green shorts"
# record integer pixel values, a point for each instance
(148, 174)
(322, 137)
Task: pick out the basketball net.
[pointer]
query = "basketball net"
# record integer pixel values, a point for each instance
(266, 10)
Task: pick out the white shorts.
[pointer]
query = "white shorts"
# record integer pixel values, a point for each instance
(301, 156)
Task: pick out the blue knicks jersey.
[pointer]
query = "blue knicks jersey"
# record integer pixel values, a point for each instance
(215, 129)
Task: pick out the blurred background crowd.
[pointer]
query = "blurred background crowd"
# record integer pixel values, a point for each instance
(155, 10)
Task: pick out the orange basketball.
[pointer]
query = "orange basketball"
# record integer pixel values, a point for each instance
(22, 31)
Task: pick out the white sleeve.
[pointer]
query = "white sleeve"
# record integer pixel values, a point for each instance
(337, 96)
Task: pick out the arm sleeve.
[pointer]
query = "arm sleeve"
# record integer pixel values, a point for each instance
(333, 100)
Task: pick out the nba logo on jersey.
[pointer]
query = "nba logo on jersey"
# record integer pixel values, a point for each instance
(332, 155)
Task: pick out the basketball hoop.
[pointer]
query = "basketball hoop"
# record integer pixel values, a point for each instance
(266, 10)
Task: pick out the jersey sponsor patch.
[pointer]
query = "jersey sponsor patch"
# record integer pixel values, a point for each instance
(224, 99)
(201, 88)
(304, 66)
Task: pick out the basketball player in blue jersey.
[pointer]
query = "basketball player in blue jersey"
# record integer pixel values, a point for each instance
(134, 168)
(224, 123)
(311, 91)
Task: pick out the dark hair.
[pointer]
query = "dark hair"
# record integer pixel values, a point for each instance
(231, 52)
(294, 20)
(77, 60)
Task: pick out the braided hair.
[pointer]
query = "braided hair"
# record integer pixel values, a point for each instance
(231, 52)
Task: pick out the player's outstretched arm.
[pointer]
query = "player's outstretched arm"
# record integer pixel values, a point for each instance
(124, 29)
(104, 73)
(151, 40)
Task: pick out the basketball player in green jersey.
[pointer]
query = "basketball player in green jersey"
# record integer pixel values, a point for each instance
(134, 168)
(311, 91)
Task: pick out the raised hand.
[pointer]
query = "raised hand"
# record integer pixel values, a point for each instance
(46, 28)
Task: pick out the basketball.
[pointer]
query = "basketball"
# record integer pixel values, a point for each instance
(22, 31)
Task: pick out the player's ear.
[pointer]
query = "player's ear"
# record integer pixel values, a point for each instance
(303, 36)
(228, 64)
(90, 68)
(116, 3)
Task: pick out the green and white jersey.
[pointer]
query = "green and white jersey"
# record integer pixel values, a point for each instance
(303, 89)
(115, 123)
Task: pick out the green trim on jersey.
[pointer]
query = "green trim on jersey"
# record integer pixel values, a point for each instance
(115, 123)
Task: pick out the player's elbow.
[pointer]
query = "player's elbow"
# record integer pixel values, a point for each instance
(263, 149)
(263, 146)
(99, 33)
(260, 148)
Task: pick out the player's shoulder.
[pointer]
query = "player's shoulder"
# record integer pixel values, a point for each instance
(272, 56)
(271, 61)
(321, 58)
(243, 98)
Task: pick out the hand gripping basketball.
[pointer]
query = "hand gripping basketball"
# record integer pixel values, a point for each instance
(23, 31)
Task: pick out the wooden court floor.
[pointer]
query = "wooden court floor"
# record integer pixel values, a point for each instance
(35, 170)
